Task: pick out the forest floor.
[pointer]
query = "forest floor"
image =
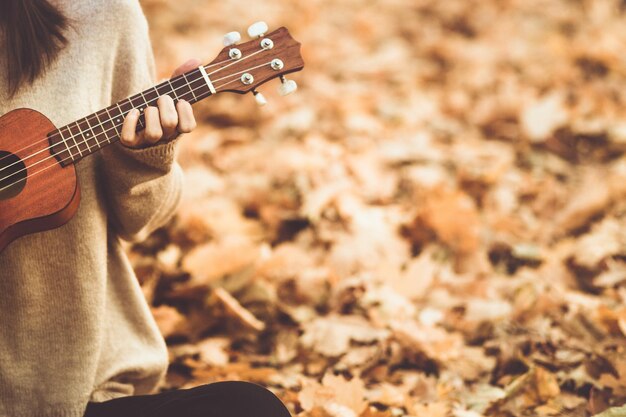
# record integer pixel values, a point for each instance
(433, 225)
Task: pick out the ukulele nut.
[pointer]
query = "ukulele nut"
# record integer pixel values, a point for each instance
(234, 53)
(277, 64)
(267, 43)
(247, 78)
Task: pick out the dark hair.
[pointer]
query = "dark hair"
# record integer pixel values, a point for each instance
(34, 35)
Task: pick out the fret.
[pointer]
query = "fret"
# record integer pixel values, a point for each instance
(125, 106)
(116, 113)
(150, 98)
(204, 95)
(81, 135)
(95, 137)
(180, 86)
(137, 102)
(86, 131)
(111, 123)
(144, 104)
(71, 155)
(96, 125)
(98, 129)
(140, 122)
(198, 86)
(74, 132)
(191, 89)
(153, 96)
(93, 134)
(170, 90)
(119, 119)
(68, 135)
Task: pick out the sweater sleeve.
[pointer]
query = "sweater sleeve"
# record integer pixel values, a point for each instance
(142, 186)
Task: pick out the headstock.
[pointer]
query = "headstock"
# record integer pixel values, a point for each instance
(241, 68)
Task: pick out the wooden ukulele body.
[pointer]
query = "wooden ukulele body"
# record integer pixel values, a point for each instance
(36, 192)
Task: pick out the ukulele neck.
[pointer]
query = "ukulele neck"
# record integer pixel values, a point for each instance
(237, 68)
(81, 138)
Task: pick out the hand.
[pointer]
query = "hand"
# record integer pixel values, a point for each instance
(163, 122)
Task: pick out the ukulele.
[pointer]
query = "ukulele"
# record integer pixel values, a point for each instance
(38, 184)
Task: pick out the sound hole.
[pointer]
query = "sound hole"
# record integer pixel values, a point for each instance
(12, 175)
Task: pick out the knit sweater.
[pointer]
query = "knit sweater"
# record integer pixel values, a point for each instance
(74, 324)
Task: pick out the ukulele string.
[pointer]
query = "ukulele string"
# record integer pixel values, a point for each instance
(100, 124)
(70, 157)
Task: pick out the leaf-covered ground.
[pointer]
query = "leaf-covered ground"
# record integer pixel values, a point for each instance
(434, 225)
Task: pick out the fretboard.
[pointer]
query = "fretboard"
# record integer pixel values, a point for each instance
(83, 137)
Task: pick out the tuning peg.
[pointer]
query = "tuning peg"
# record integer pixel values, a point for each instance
(260, 98)
(258, 29)
(287, 86)
(231, 38)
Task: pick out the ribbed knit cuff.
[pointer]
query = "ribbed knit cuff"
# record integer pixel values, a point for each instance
(158, 156)
(111, 390)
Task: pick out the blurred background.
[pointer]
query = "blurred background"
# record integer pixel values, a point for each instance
(432, 225)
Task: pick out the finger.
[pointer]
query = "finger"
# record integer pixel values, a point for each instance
(128, 137)
(186, 119)
(153, 131)
(186, 67)
(168, 115)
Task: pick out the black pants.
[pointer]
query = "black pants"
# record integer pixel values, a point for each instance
(222, 399)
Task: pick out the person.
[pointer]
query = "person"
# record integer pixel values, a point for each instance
(76, 334)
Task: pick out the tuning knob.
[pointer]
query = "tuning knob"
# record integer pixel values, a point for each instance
(231, 38)
(260, 98)
(287, 86)
(258, 29)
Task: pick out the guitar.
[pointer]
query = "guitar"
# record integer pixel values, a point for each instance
(38, 185)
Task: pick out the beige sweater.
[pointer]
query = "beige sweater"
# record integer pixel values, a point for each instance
(74, 325)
